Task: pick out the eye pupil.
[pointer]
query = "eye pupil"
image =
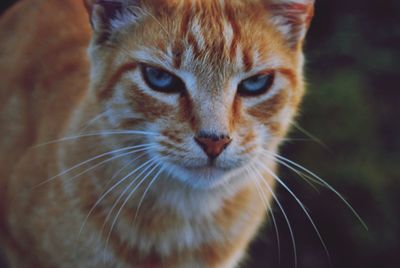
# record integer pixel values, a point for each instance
(255, 79)
(256, 85)
(160, 80)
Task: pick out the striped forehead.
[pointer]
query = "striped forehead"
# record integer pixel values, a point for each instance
(208, 34)
(205, 34)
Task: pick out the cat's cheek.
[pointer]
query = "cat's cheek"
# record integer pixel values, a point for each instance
(269, 108)
(280, 124)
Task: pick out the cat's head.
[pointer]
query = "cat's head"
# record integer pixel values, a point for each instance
(215, 83)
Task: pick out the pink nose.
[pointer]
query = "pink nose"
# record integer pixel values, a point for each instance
(213, 145)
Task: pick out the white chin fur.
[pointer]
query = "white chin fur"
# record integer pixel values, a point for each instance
(202, 177)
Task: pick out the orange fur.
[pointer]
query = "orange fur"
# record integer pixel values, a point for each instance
(199, 212)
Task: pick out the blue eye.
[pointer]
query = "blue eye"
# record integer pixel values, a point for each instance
(163, 81)
(256, 85)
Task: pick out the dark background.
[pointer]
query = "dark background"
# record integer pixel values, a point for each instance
(353, 108)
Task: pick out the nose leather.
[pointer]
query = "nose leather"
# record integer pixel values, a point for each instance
(213, 145)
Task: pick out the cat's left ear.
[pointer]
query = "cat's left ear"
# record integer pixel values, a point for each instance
(109, 16)
(292, 18)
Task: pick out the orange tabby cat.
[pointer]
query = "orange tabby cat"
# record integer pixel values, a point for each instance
(158, 145)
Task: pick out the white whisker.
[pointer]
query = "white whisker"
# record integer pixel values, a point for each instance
(270, 172)
(112, 158)
(88, 161)
(308, 134)
(268, 208)
(111, 189)
(91, 121)
(256, 171)
(119, 171)
(153, 166)
(148, 163)
(95, 134)
(124, 167)
(324, 183)
(308, 179)
(147, 190)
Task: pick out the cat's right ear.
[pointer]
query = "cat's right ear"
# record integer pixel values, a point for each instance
(110, 16)
(292, 18)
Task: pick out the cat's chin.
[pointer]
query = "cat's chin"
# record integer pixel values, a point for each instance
(202, 177)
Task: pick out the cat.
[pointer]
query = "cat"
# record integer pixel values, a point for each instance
(147, 137)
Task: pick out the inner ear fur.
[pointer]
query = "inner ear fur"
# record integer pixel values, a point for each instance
(108, 16)
(292, 18)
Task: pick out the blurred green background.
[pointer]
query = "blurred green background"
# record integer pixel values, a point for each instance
(353, 108)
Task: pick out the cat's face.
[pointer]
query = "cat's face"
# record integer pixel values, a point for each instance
(216, 83)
